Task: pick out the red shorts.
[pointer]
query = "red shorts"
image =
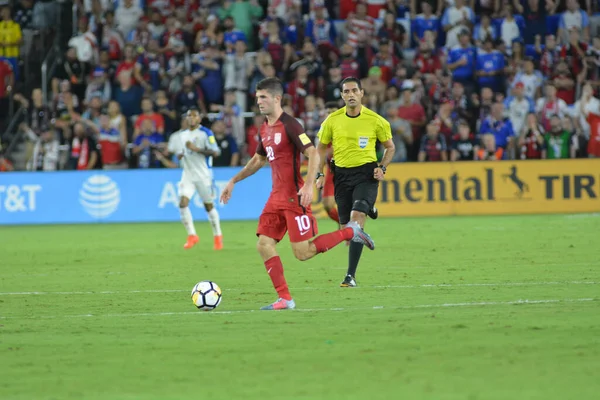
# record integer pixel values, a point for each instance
(275, 221)
(328, 190)
(594, 146)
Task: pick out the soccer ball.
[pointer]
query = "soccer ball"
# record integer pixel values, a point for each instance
(206, 295)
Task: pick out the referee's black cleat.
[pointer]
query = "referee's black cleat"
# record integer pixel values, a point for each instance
(373, 213)
(348, 281)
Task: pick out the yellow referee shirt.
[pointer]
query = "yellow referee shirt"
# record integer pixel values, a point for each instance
(354, 138)
(10, 33)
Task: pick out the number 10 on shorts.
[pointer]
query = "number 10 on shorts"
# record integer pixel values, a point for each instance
(303, 223)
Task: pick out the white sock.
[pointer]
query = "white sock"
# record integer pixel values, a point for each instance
(215, 223)
(186, 219)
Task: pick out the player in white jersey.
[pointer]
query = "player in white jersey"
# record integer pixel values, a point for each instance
(197, 146)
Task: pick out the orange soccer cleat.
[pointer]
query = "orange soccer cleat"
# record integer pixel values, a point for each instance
(192, 240)
(218, 242)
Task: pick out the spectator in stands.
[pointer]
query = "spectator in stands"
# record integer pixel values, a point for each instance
(531, 79)
(573, 19)
(464, 147)
(112, 141)
(386, 60)
(10, 40)
(128, 96)
(5, 164)
(148, 114)
(549, 55)
(128, 65)
(490, 151)
(433, 145)
(232, 35)
(401, 132)
(360, 24)
(531, 138)
(230, 155)
(237, 70)
(145, 145)
(374, 85)
(73, 71)
(427, 21)
(7, 84)
(500, 127)
(518, 107)
(457, 19)
(252, 136)
(414, 113)
(564, 82)
(321, 31)
(140, 36)
(164, 107)
(190, 96)
(156, 26)
(98, 86)
(462, 61)
(299, 88)
(550, 105)
(558, 141)
(574, 52)
(127, 17)
(83, 150)
(244, 13)
(23, 12)
(45, 153)
(332, 88)
(585, 106)
(312, 61)
(314, 114)
(593, 61)
(484, 30)
(150, 67)
(490, 67)
(395, 33)
(509, 28)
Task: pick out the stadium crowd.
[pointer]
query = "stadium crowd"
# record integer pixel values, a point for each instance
(456, 79)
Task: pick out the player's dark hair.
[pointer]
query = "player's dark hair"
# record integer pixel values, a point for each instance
(271, 85)
(351, 79)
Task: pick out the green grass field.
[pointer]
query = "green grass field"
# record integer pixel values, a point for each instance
(448, 308)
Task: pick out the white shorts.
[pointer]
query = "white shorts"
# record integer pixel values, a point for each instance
(204, 189)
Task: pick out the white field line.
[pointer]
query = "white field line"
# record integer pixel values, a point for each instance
(413, 307)
(433, 285)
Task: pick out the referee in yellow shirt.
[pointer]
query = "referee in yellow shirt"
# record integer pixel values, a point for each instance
(10, 40)
(354, 131)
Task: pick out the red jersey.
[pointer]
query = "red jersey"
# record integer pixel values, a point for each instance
(594, 143)
(5, 72)
(282, 144)
(531, 149)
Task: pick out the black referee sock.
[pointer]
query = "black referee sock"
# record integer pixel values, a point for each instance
(354, 253)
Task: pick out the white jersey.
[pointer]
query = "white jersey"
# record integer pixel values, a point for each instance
(196, 167)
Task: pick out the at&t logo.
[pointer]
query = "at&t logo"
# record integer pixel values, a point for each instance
(99, 196)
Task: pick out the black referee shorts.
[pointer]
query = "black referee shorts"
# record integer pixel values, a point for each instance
(352, 184)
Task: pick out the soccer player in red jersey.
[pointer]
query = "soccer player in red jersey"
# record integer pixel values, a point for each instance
(281, 141)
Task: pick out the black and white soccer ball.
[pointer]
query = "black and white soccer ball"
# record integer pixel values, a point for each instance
(206, 295)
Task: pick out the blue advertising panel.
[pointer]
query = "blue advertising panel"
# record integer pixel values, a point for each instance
(119, 196)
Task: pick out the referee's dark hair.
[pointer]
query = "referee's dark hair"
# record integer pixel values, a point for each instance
(271, 85)
(351, 79)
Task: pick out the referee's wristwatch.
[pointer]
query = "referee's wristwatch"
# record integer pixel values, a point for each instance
(319, 174)
(383, 168)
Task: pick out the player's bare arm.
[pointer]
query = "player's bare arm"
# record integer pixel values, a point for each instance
(255, 163)
(322, 151)
(306, 191)
(388, 154)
